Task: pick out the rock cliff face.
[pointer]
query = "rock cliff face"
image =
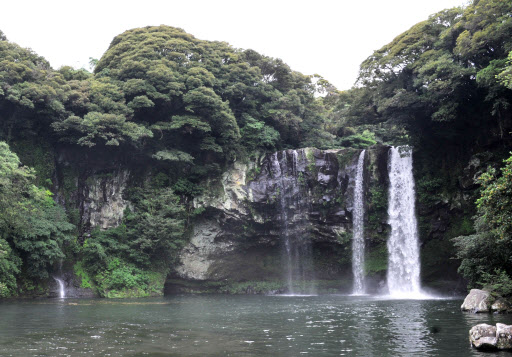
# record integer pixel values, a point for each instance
(237, 238)
(306, 194)
(104, 204)
(92, 192)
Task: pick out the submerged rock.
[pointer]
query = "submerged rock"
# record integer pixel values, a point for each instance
(488, 337)
(476, 301)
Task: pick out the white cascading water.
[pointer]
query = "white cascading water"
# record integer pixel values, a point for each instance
(403, 245)
(358, 229)
(62, 291)
(295, 241)
(276, 166)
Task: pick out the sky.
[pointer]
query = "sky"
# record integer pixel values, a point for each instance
(326, 37)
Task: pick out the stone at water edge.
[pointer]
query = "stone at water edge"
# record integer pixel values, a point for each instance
(483, 336)
(476, 301)
(501, 306)
(488, 337)
(504, 336)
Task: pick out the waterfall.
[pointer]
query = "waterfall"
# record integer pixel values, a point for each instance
(403, 247)
(293, 207)
(62, 291)
(358, 229)
(285, 236)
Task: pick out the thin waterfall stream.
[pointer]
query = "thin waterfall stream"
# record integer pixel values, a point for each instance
(403, 275)
(62, 290)
(358, 245)
(296, 251)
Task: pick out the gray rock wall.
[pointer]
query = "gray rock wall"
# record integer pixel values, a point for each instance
(104, 204)
(236, 238)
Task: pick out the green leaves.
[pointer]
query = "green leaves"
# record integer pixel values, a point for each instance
(32, 226)
(485, 255)
(149, 239)
(176, 84)
(189, 123)
(108, 129)
(495, 202)
(255, 134)
(434, 78)
(173, 155)
(199, 77)
(140, 102)
(505, 77)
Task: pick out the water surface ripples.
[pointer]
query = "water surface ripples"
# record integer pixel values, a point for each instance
(219, 325)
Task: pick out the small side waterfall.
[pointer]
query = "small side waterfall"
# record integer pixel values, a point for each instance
(296, 245)
(62, 290)
(403, 246)
(358, 229)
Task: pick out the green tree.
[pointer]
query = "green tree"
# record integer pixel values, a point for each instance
(485, 255)
(33, 229)
(158, 227)
(31, 93)
(147, 242)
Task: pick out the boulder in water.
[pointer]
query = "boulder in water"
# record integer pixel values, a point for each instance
(504, 336)
(483, 336)
(488, 337)
(476, 301)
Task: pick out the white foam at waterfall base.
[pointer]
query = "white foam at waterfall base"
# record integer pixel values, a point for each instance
(403, 277)
(358, 229)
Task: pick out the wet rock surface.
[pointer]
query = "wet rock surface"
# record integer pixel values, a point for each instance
(501, 306)
(483, 336)
(476, 301)
(72, 287)
(237, 237)
(488, 337)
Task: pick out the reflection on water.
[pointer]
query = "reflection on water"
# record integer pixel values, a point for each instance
(219, 325)
(408, 327)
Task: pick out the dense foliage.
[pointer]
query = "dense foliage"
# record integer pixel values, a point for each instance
(145, 244)
(33, 229)
(438, 80)
(486, 255)
(177, 110)
(174, 106)
(193, 100)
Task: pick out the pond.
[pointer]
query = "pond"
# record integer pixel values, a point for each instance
(247, 325)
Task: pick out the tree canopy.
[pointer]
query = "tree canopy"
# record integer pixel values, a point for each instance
(438, 79)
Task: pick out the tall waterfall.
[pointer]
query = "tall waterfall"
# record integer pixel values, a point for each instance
(295, 241)
(358, 229)
(403, 247)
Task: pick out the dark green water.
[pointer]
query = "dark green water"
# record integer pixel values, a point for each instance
(219, 325)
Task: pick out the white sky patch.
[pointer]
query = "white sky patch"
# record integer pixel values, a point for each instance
(328, 37)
